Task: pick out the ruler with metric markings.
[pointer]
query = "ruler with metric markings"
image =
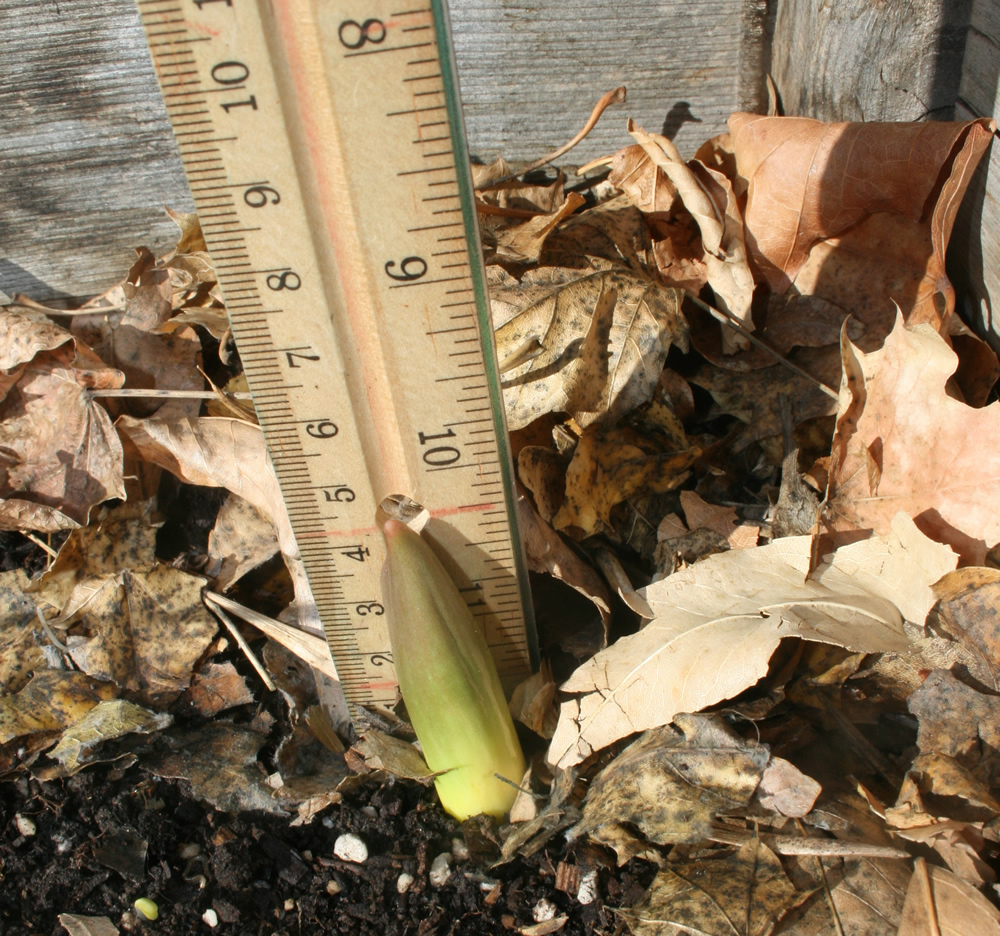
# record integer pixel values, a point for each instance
(324, 147)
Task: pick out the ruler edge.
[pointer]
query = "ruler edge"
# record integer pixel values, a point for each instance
(463, 169)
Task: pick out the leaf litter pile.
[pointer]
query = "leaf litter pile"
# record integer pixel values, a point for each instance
(759, 492)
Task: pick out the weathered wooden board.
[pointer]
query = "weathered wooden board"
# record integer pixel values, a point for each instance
(87, 158)
(859, 60)
(974, 254)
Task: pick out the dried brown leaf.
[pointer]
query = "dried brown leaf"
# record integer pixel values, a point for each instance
(218, 452)
(106, 721)
(859, 214)
(591, 345)
(49, 702)
(217, 687)
(59, 454)
(938, 902)
(219, 760)
(242, 539)
(547, 552)
(708, 195)
(609, 466)
(894, 408)
(22, 637)
(671, 784)
(718, 622)
(743, 893)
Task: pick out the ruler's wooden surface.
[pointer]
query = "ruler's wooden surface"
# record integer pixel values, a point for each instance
(323, 145)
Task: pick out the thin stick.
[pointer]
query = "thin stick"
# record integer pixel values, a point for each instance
(727, 318)
(41, 545)
(928, 892)
(48, 630)
(172, 394)
(312, 649)
(598, 163)
(796, 845)
(616, 96)
(243, 645)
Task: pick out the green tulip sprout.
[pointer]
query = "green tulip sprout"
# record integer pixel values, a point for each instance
(448, 680)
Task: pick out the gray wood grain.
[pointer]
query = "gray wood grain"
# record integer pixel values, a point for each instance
(87, 160)
(859, 60)
(974, 252)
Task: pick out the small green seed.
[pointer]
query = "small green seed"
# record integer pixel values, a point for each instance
(147, 908)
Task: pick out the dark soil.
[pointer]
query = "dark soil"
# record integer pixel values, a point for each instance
(107, 837)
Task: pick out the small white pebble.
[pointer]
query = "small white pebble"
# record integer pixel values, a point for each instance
(349, 847)
(189, 850)
(307, 855)
(440, 870)
(210, 917)
(327, 822)
(403, 883)
(25, 825)
(370, 811)
(333, 887)
(459, 849)
(587, 893)
(289, 905)
(544, 911)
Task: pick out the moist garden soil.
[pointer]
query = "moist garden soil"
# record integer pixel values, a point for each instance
(106, 837)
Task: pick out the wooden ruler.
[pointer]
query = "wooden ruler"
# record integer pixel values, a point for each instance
(324, 147)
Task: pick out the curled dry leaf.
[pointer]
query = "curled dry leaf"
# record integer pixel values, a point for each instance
(590, 344)
(59, 454)
(218, 452)
(609, 466)
(671, 784)
(858, 213)
(717, 623)
(708, 195)
(902, 443)
(547, 552)
(50, 701)
(104, 722)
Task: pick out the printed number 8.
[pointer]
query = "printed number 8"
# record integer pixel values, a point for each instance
(371, 30)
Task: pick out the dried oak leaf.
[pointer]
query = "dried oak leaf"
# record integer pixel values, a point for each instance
(22, 637)
(216, 452)
(671, 784)
(755, 397)
(968, 611)
(902, 443)
(59, 454)
(743, 893)
(590, 344)
(718, 622)
(857, 213)
(611, 465)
